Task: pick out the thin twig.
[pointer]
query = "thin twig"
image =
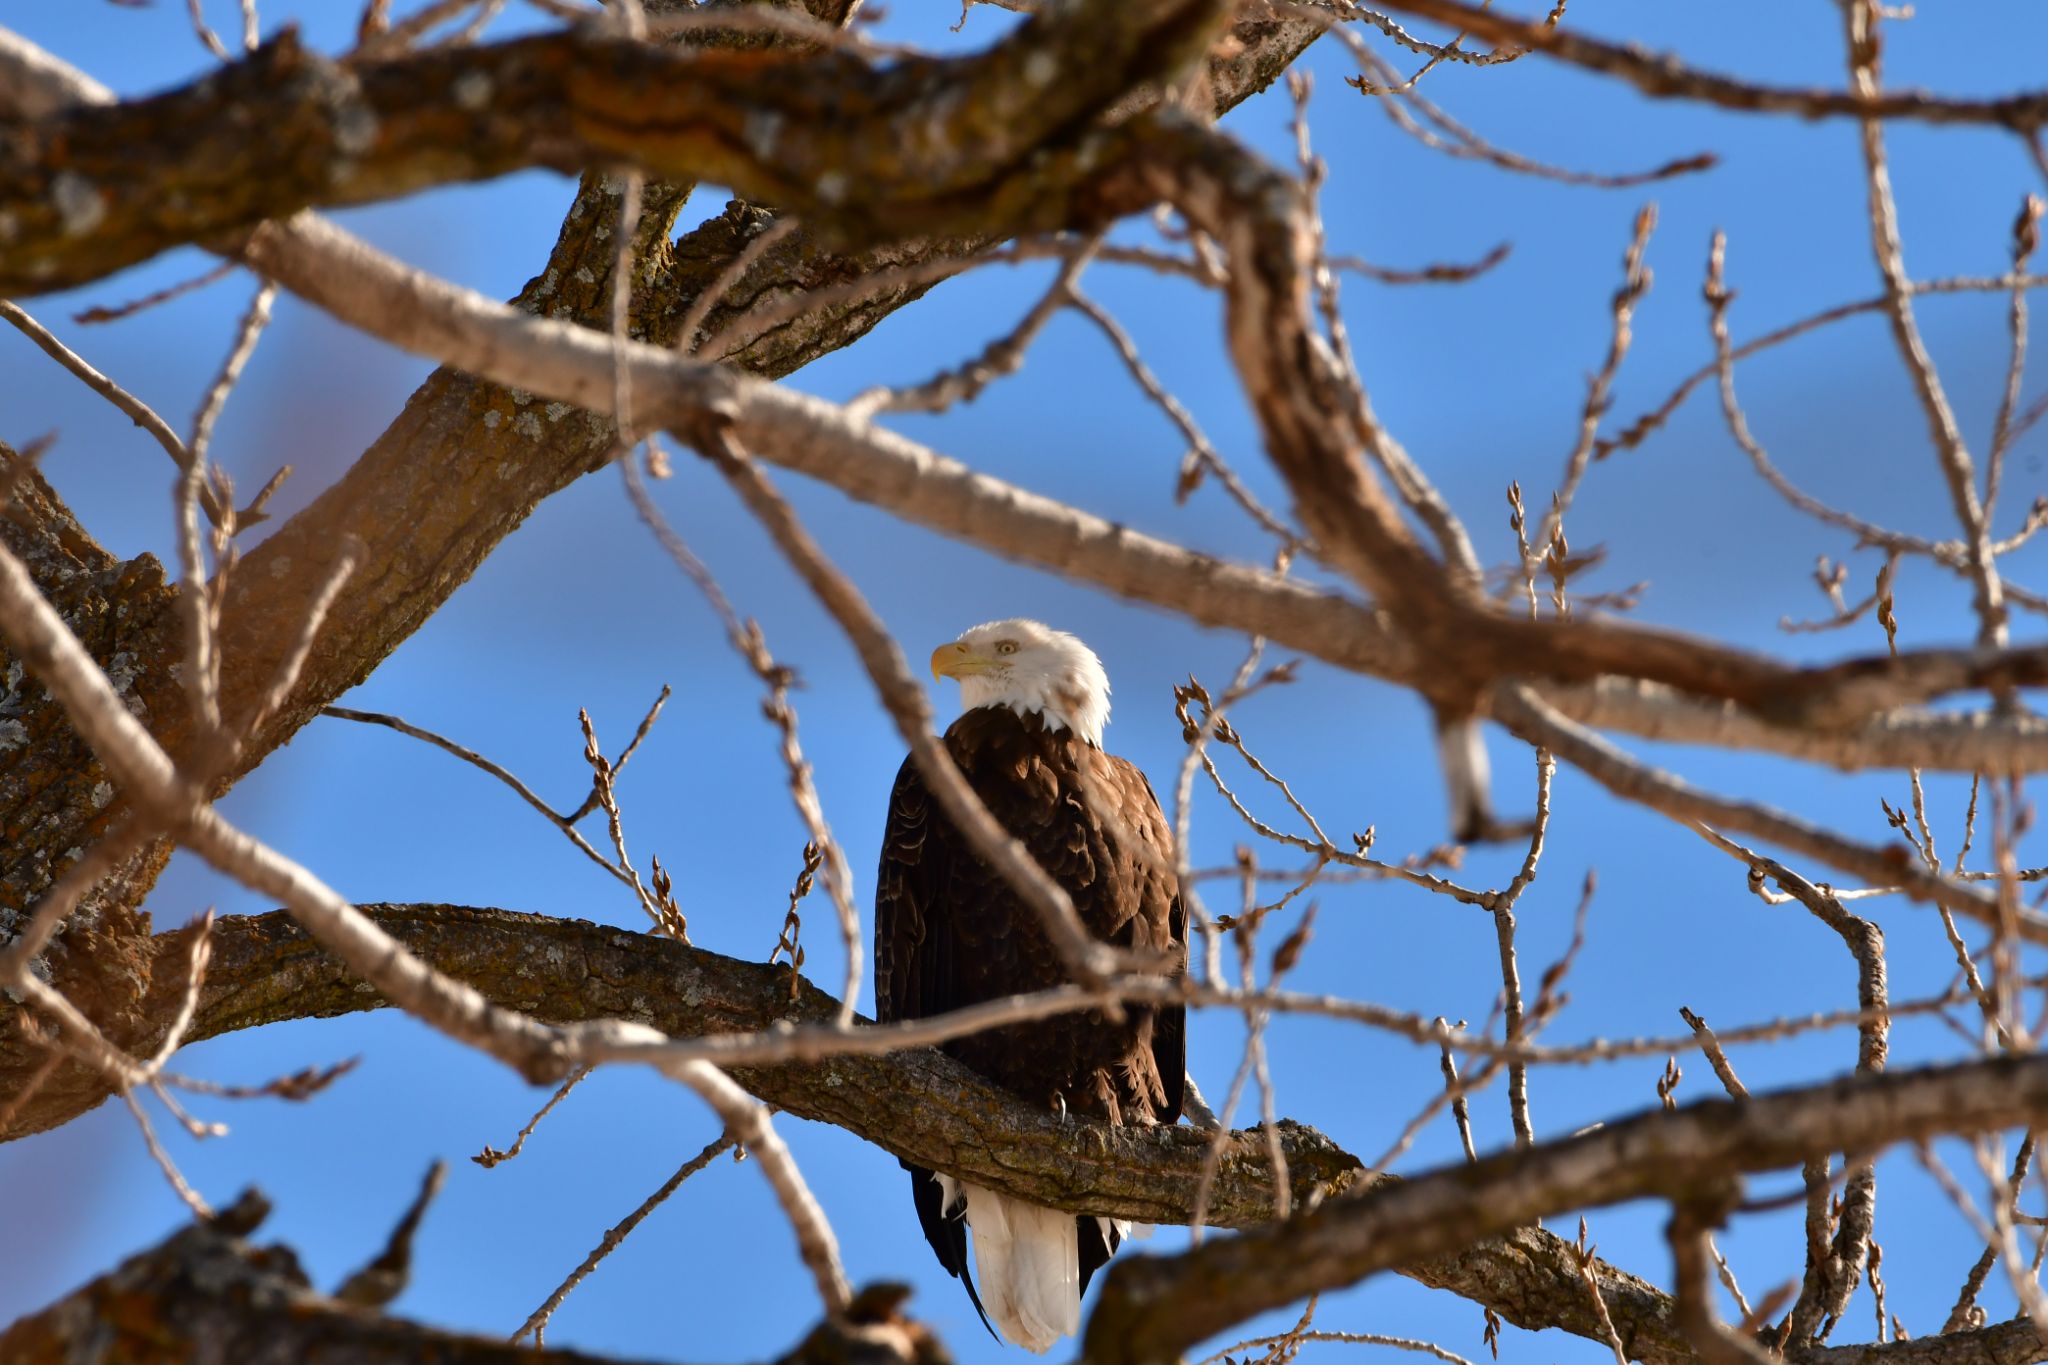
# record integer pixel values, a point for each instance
(98, 313)
(1354, 1338)
(1503, 910)
(392, 40)
(536, 1323)
(1860, 19)
(751, 644)
(1446, 51)
(285, 676)
(136, 410)
(1635, 284)
(491, 1156)
(1454, 139)
(1652, 420)
(615, 825)
(176, 1178)
(1001, 357)
(618, 764)
(470, 756)
(1584, 1255)
(1719, 296)
(198, 600)
(1959, 1316)
(1461, 1112)
(2026, 236)
(1202, 456)
(207, 37)
(1440, 272)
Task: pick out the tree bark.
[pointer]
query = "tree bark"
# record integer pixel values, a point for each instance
(915, 1103)
(458, 470)
(206, 1294)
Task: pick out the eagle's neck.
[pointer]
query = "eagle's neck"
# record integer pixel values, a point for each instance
(1057, 715)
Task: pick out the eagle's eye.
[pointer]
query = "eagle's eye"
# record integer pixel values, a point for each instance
(1006, 646)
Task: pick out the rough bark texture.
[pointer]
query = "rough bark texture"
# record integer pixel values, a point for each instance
(2005, 1343)
(458, 470)
(885, 152)
(206, 1294)
(1152, 1308)
(55, 798)
(917, 1103)
(970, 149)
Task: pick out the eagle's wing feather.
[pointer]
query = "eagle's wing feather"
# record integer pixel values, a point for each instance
(950, 932)
(1162, 921)
(913, 947)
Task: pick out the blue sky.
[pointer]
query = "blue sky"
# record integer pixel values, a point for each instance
(1482, 382)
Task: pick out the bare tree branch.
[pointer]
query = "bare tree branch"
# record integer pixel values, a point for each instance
(1667, 78)
(206, 1294)
(569, 100)
(1145, 1316)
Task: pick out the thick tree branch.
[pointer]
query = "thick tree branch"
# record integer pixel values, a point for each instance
(363, 287)
(467, 460)
(917, 1103)
(920, 148)
(920, 1103)
(2004, 1343)
(1230, 186)
(206, 1294)
(459, 470)
(1153, 1307)
(50, 783)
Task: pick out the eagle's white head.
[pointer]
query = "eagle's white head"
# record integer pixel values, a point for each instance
(1028, 666)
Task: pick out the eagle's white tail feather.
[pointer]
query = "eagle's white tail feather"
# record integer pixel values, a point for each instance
(1029, 1267)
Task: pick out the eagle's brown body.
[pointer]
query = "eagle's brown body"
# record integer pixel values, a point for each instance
(950, 932)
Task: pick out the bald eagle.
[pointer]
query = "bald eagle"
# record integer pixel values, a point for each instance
(950, 932)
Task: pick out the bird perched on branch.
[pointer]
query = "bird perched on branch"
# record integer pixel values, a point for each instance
(949, 932)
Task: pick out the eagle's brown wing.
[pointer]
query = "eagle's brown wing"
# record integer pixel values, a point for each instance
(950, 932)
(1138, 809)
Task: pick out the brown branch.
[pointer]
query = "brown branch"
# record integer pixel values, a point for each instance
(1594, 647)
(493, 454)
(206, 1294)
(1663, 77)
(920, 1104)
(1154, 1307)
(1691, 1250)
(1833, 1271)
(1526, 715)
(917, 1103)
(1475, 641)
(2006, 1343)
(1959, 471)
(1650, 421)
(1312, 421)
(92, 190)
(385, 1277)
(536, 1323)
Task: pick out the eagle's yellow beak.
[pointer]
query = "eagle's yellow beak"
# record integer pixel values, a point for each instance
(957, 661)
